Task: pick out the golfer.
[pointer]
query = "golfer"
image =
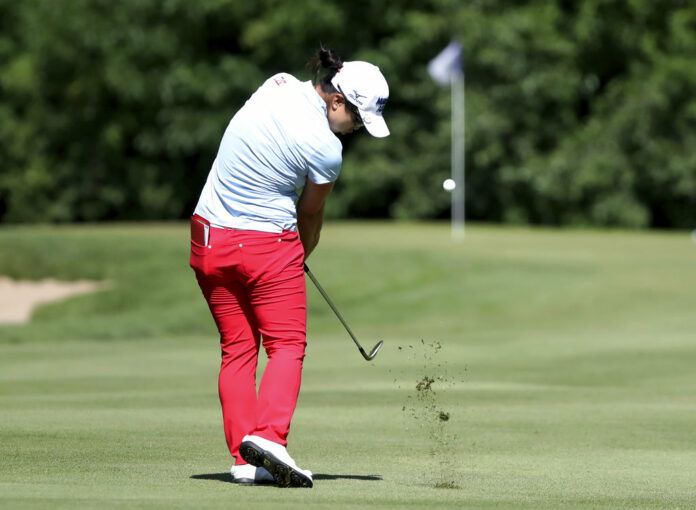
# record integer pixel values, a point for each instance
(250, 236)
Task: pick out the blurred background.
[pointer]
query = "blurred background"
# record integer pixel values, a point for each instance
(578, 113)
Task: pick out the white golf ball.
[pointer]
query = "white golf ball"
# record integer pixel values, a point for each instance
(693, 235)
(449, 184)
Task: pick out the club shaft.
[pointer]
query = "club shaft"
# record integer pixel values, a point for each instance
(331, 305)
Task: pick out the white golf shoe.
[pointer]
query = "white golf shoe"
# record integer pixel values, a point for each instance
(276, 460)
(246, 474)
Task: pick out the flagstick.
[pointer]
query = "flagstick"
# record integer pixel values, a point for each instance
(448, 68)
(458, 156)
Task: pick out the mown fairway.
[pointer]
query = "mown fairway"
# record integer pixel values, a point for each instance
(567, 368)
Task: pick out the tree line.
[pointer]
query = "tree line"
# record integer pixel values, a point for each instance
(578, 113)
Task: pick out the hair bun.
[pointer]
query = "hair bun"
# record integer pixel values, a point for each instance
(330, 59)
(324, 65)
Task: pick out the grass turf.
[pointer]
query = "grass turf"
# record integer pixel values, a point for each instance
(566, 368)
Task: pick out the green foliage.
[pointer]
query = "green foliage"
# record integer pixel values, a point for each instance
(577, 113)
(123, 104)
(628, 161)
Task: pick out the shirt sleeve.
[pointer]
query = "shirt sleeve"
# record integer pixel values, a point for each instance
(324, 164)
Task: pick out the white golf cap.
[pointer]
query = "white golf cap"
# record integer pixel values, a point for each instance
(364, 86)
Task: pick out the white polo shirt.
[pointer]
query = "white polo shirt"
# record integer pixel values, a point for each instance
(277, 140)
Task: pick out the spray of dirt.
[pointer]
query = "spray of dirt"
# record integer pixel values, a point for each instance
(424, 407)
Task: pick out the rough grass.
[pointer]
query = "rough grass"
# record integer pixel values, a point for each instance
(566, 368)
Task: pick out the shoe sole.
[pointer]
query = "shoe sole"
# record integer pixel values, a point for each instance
(283, 474)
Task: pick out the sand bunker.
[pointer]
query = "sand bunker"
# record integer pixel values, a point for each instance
(19, 298)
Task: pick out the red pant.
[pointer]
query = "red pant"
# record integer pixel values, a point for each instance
(254, 285)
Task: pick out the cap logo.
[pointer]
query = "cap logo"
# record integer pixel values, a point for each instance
(381, 103)
(355, 96)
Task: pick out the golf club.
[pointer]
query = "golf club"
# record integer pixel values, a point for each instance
(374, 350)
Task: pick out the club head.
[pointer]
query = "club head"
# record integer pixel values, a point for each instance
(373, 352)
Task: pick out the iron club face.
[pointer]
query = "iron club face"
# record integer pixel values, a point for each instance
(373, 352)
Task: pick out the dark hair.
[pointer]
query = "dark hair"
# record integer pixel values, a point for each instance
(325, 58)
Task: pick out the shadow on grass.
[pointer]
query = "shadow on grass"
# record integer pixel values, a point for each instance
(220, 477)
(367, 478)
(226, 477)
